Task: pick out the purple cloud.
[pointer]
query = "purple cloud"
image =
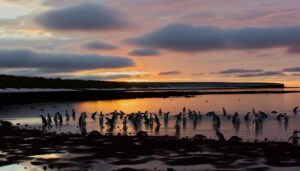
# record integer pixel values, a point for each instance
(59, 62)
(84, 16)
(97, 45)
(144, 52)
(296, 69)
(186, 38)
(263, 74)
(239, 71)
(169, 73)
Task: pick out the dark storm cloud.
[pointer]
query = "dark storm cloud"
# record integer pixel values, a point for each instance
(144, 52)
(84, 16)
(169, 73)
(59, 62)
(296, 69)
(239, 71)
(97, 45)
(184, 37)
(263, 74)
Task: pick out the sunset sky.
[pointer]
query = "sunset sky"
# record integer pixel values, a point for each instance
(152, 40)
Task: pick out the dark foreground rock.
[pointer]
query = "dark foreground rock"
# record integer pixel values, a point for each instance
(18, 145)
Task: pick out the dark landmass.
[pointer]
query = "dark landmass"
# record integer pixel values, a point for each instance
(74, 96)
(104, 90)
(7, 81)
(18, 145)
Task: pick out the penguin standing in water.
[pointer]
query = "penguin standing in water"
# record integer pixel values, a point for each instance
(81, 118)
(184, 121)
(94, 115)
(111, 124)
(253, 111)
(101, 120)
(258, 125)
(73, 114)
(156, 120)
(166, 119)
(199, 115)
(184, 110)
(55, 118)
(286, 122)
(44, 121)
(216, 122)
(195, 121)
(224, 112)
(178, 117)
(60, 119)
(295, 110)
(49, 120)
(247, 120)
(280, 116)
(177, 128)
(125, 122)
(160, 112)
(247, 117)
(151, 121)
(236, 122)
(235, 118)
(146, 122)
(82, 124)
(125, 125)
(67, 116)
(295, 139)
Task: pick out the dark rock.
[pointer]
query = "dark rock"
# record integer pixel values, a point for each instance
(235, 139)
(141, 134)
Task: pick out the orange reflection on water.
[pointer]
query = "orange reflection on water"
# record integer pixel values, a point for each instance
(234, 103)
(48, 156)
(241, 103)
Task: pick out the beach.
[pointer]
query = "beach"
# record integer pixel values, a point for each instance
(97, 152)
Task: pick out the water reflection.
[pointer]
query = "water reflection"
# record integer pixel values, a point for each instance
(166, 111)
(258, 126)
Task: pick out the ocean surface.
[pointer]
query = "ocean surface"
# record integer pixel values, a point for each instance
(242, 103)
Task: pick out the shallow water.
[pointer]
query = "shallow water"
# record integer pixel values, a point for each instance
(243, 103)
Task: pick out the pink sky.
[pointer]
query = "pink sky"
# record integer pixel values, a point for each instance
(152, 40)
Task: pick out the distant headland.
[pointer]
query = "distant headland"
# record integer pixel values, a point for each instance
(9, 81)
(19, 89)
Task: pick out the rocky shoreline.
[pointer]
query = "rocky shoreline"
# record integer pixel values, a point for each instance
(84, 152)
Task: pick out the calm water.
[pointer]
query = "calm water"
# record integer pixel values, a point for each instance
(272, 129)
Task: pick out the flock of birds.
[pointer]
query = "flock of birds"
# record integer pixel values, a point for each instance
(149, 120)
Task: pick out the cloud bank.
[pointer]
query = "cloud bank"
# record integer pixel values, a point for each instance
(97, 45)
(96, 77)
(296, 69)
(169, 73)
(186, 38)
(59, 62)
(83, 16)
(243, 73)
(263, 74)
(144, 52)
(238, 71)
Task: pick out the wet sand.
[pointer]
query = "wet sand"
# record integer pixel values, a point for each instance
(140, 153)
